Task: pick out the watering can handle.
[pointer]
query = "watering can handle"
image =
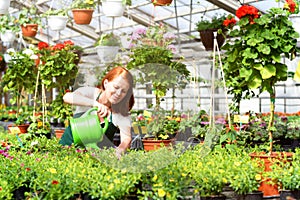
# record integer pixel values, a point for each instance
(105, 119)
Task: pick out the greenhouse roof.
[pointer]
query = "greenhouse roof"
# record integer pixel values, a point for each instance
(180, 16)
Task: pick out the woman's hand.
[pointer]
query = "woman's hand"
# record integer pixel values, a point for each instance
(102, 110)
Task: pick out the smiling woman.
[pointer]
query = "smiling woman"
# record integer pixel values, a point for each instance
(113, 100)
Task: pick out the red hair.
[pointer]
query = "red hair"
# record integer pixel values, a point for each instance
(124, 106)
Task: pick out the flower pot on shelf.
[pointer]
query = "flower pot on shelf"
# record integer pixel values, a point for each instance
(118, 6)
(58, 133)
(82, 16)
(22, 128)
(4, 5)
(153, 144)
(207, 39)
(268, 189)
(57, 23)
(161, 2)
(8, 36)
(214, 197)
(30, 30)
(107, 54)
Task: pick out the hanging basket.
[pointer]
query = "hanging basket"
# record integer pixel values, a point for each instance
(107, 54)
(30, 30)
(118, 6)
(82, 16)
(161, 2)
(8, 36)
(4, 5)
(207, 39)
(57, 23)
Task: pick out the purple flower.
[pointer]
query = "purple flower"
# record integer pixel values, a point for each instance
(172, 48)
(169, 36)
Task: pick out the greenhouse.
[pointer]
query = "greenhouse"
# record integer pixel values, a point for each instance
(149, 99)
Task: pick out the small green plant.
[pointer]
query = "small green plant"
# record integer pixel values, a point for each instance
(8, 22)
(29, 16)
(215, 23)
(109, 39)
(84, 4)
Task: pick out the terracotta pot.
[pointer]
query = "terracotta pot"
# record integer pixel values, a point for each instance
(30, 30)
(161, 2)
(82, 16)
(268, 160)
(207, 39)
(59, 133)
(152, 144)
(21, 128)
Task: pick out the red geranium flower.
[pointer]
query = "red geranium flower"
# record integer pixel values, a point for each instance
(229, 22)
(247, 11)
(54, 182)
(58, 46)
(43, 45)
(68, 42)
(291, 6)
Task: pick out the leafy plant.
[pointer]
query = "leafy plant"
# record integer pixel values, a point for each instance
(84, 4)
(152, 56)
(29, 16)
(253, 58)
(9, 22)
(20, 77)
(109, 39)
(215, 23)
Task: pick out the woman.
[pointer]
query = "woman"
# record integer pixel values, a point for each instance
(113, 98)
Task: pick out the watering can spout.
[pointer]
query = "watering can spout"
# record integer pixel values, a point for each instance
(87, 130)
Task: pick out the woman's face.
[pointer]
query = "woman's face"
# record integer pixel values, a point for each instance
(116, 89)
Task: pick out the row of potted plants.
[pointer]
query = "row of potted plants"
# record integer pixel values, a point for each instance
(44, 169)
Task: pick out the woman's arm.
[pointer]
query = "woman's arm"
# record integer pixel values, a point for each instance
(86, 96)
(124, 124)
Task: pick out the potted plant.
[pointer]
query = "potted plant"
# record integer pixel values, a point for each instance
(8, 28)
(252, 62)
(107, 47)
(206, 29)
(161, 2)
(152, 55)
(83, 11)
(161, 130)
(20, 76)
(118, 5)
(30, 20)
(57, 18)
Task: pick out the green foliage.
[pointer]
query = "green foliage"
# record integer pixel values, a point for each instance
(20, 76)
(29, 16)
(8, 22)
(253, 59)
(215, 23)
(109, 39)
(84, 4)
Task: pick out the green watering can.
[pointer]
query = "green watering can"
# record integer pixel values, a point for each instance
(87, 130)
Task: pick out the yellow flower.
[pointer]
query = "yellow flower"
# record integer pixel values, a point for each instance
(117, 181)
(52, 170)
(237, 163)
(258, 177)
(154, 178)
(39, 124)
(161, 192)
(183, 174)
